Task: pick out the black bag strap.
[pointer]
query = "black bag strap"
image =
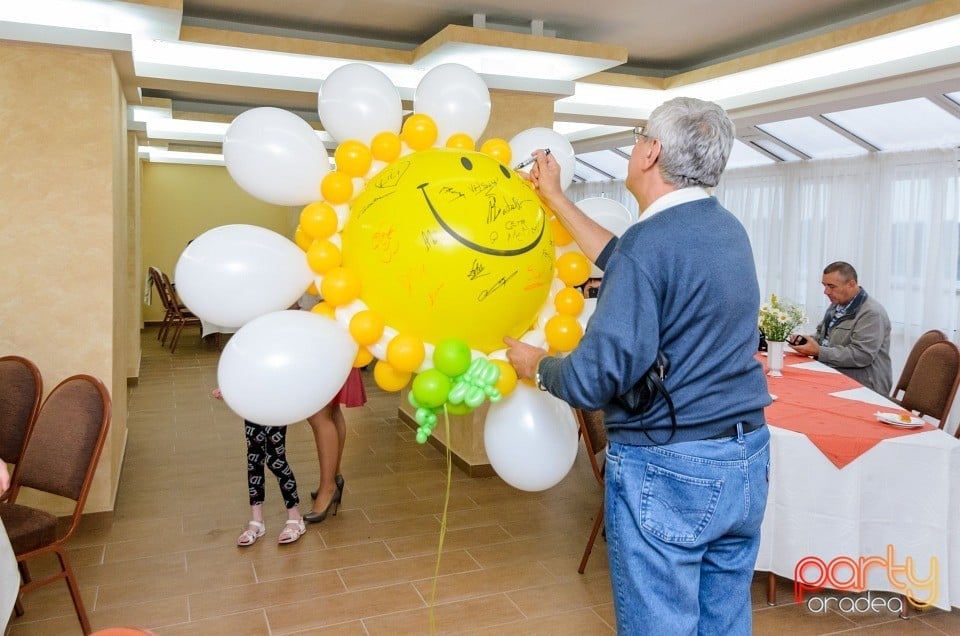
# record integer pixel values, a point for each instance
(655, 377)
(640, 398)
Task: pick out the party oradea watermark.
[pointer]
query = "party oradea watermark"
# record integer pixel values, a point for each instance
(847, 574)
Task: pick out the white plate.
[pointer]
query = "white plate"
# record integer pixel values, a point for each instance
(896, 419)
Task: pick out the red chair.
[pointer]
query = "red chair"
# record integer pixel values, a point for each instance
(21, 389)
(925, 340)
(594, 434)
(934, 381)
(60, 457)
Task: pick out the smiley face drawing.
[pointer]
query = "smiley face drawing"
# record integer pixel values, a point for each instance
(451, 244)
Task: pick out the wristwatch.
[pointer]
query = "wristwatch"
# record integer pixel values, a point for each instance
(538, 380)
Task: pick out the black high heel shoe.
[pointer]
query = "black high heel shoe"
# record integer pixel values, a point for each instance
(317, 517)
(338, 480)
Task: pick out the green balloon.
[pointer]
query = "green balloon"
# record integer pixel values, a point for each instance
(452, 356)
(458, 392)
(422, 437)
(430, 388)
(491, 374)
(458, 409)
(474, 397)
(413, 401)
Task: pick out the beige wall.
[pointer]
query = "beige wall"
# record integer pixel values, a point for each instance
(63, 210)
(180, 202)
(134, 283)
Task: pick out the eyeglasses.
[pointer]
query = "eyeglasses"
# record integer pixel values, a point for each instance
(638, 134)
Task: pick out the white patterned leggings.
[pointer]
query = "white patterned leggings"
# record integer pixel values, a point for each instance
(268, 445)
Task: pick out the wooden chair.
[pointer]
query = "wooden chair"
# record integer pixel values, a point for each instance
(180, 316)
(924, 341)
(934, 381)
(594, 434)
(59, 457)
(21, 389)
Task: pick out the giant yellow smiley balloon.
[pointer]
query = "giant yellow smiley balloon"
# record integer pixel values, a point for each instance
(451, 244)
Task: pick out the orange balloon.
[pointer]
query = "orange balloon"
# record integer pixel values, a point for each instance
(461, 141)
(419, 131)
(336, 187)
(363, 357)
(353, 158)
(324, 309)
(323, 256)
(507, 381)
(302, 239)
(386, 146)
(405, 352)
(560, 235)
(499, 149)
(340, 286)
(366, 327)
(319, 220)
(388, 378)
(573, 268)
(563, 332)
(569, 301)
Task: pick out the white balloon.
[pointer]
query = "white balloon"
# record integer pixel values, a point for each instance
(275, 156)
(233, 273)
(589, 306)
(611, 215)
(285, 366)
(357, 101)
(526, 141)
(534, 338)
(531, 438)
(456, 98)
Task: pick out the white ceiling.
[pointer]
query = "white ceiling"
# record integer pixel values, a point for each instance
(741, 53)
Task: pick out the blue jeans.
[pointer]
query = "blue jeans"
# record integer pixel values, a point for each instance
(683, 531)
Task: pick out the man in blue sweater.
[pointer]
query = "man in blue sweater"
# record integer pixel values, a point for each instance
(685, 495)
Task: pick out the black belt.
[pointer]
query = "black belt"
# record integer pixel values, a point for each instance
(731, 431)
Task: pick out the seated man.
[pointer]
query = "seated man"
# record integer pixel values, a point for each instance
(854, 335)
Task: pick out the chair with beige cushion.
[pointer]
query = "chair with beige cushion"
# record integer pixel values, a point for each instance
(60, 457)
(924, 341)
(594, 435)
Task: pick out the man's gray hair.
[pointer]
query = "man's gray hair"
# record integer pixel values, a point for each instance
(695, 137)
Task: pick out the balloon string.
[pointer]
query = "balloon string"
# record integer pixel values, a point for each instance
(443, 522)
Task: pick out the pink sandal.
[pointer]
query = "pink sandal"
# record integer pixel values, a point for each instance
(292, 531)
(255, 530)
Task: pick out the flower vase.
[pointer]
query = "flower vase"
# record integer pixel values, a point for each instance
(775, 358)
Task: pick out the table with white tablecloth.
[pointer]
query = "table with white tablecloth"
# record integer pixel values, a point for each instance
(900, 498)
(208, 329)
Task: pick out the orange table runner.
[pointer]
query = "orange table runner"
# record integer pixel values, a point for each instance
(841, 428)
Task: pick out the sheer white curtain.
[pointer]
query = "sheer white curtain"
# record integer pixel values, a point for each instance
(615, 190)
(894, 216)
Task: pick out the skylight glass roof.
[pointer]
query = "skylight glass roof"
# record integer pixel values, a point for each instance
(896, 126)
(906, 125)
(743, 156)
(813, 138)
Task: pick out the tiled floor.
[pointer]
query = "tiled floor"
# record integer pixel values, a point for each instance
(168, 562)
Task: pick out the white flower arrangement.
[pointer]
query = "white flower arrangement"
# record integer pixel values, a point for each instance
(778, 319)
